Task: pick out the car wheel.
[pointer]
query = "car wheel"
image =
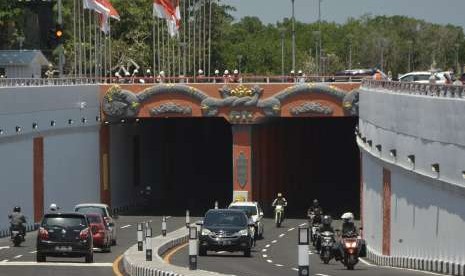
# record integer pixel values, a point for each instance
(90, 258)
(202, 252)
(247, 252)
(40, 258)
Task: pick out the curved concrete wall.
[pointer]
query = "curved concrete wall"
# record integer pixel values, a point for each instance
(427, 208)
(71, 171)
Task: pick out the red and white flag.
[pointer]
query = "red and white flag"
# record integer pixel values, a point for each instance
(96, 6)
(169, 10)
(104, 17)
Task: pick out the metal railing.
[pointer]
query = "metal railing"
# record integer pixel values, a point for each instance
(18, 82)
(425, 89)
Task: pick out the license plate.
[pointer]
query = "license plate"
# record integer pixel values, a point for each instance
(225, 242)
(63, 248)
(15, 232)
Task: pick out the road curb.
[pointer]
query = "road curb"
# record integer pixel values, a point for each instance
(134, 262)
(422, 264)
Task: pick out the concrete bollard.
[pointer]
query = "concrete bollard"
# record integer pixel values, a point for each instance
(188, 219)
(193, 248)
(148, 243)
(140, 244)
(216, 204)
(163, 227)
(303, 248)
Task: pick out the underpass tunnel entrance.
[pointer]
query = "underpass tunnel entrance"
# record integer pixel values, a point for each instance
(186, 162)
(307, 158)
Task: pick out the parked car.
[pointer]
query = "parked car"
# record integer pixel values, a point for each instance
(101, 233)
(225, 230)
(255, 212)
(104, 210)
(64, 235)
(423, 77)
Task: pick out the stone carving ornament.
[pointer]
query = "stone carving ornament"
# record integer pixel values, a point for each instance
(311, 108)
(171, 108)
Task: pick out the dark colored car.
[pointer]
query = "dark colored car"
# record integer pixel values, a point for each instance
(101, 234)
(225, 230)
(64, 235)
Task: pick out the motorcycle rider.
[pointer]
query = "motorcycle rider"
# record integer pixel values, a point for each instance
(17, 221)
(324, 227)
(54, 208)
(348, 230)
(280, 200)
(315, 210)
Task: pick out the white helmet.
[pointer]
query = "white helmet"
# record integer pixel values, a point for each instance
(53, 207)
(348, 217)
(226, 72)
(217, 71)
(200, 71)
(236, 71)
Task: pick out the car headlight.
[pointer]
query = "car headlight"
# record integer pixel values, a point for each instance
(205, 232)
(243, 232)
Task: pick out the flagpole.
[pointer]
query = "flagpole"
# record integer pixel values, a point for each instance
(158, 45)
(90, 44)
(209, 37)
(168, 49)
(184, 27)
(163, 45)
(84, 50)
(153, 45)
(109, 51)
(189, 35)
(74, 38)
(80, 37)
(195, 42)
(96, 52)
(204, 35)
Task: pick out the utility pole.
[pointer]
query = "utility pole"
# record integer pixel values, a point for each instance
(61, 58)
(319, 30)
(293, 35)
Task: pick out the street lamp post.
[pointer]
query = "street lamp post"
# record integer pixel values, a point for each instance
(457, 67)
(239, 61)
(61, 57)
(183, 47)
(293, 35)
(282, 30)
(319, 28)
(350, 37)
(409, 55)
(316, 34)
(21, 41)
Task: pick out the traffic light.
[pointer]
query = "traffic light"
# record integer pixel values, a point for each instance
(56, 36)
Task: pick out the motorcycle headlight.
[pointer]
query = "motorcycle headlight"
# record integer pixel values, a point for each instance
(243, 232)
(205, 232)
(351, 244)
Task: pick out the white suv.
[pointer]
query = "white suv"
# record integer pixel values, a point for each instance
(423, 77)
(255, 212)
(102, 209)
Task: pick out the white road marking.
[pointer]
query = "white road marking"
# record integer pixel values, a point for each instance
(278, 265)
(221, 252)
(268, 245)
(365, 262)
(33, 252)
(265, 256)
(291, 229)
(264, 250)
(270, 261)
(303, 224)
(400, 268)
(282, 235)
(310, 253)
(274, 241)
(6, 263)
(319, 274)
(126, 226)
(168, 217)
(296, 269)
(17, 257)
(4, 247)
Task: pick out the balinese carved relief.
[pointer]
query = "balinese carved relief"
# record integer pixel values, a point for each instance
(171, 108)
(310, 108)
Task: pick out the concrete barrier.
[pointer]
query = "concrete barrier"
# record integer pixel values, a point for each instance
(134, 262)
(438, 266)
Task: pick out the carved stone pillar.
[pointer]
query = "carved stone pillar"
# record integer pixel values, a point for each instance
(242, 162)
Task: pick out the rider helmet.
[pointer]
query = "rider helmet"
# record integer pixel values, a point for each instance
(326, 220)
(315, 202)
(347, 217)
(280, 194)
(53, 207)
(17, 209)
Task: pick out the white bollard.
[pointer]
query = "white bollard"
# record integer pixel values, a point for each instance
(303, 247)
(193, 248)
(140, 244)
(216, 204)
(163, 227)
(148, 243)
(188, 219)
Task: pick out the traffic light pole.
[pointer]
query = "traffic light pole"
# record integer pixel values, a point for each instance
(61, 58)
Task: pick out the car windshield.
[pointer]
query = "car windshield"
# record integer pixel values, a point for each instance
(422, 77)
(225, 219)
(94, 219)
(91, 210)
(65, 222)
(249, 210)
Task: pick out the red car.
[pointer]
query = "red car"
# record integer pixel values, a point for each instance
(100, 232)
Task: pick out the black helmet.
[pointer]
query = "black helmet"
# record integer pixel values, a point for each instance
(315, 202)
(326, 220)
(17, 209)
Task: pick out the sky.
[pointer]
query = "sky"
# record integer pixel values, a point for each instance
(271, 11)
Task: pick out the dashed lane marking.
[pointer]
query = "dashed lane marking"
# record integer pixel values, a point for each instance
(274, 241)
(278, 265)
(264, 250)
(126, 226)
(282, 235)
(270, 261)
(365, 262)
(221, 252)
(168, 217)
(4, 247)
(296, 269)
(265, 256)
(319, 274)
(17, 257)
(268, 245)
(291, 229)
(303, 224)
(33, 252)
(7, 263)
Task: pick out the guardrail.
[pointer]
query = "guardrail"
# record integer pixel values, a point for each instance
(18, 82)
(425, 89)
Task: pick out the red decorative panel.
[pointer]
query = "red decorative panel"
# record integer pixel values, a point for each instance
(386, 212)
(38, 177)
(242, 159)
(105, 192)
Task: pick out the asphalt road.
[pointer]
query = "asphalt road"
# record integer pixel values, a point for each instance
(276, 254)
(21, 260)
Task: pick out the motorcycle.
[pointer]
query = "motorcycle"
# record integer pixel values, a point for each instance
(17, 237)
(326, 247)
(278, 215)
(315, 233)
(350, 246)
